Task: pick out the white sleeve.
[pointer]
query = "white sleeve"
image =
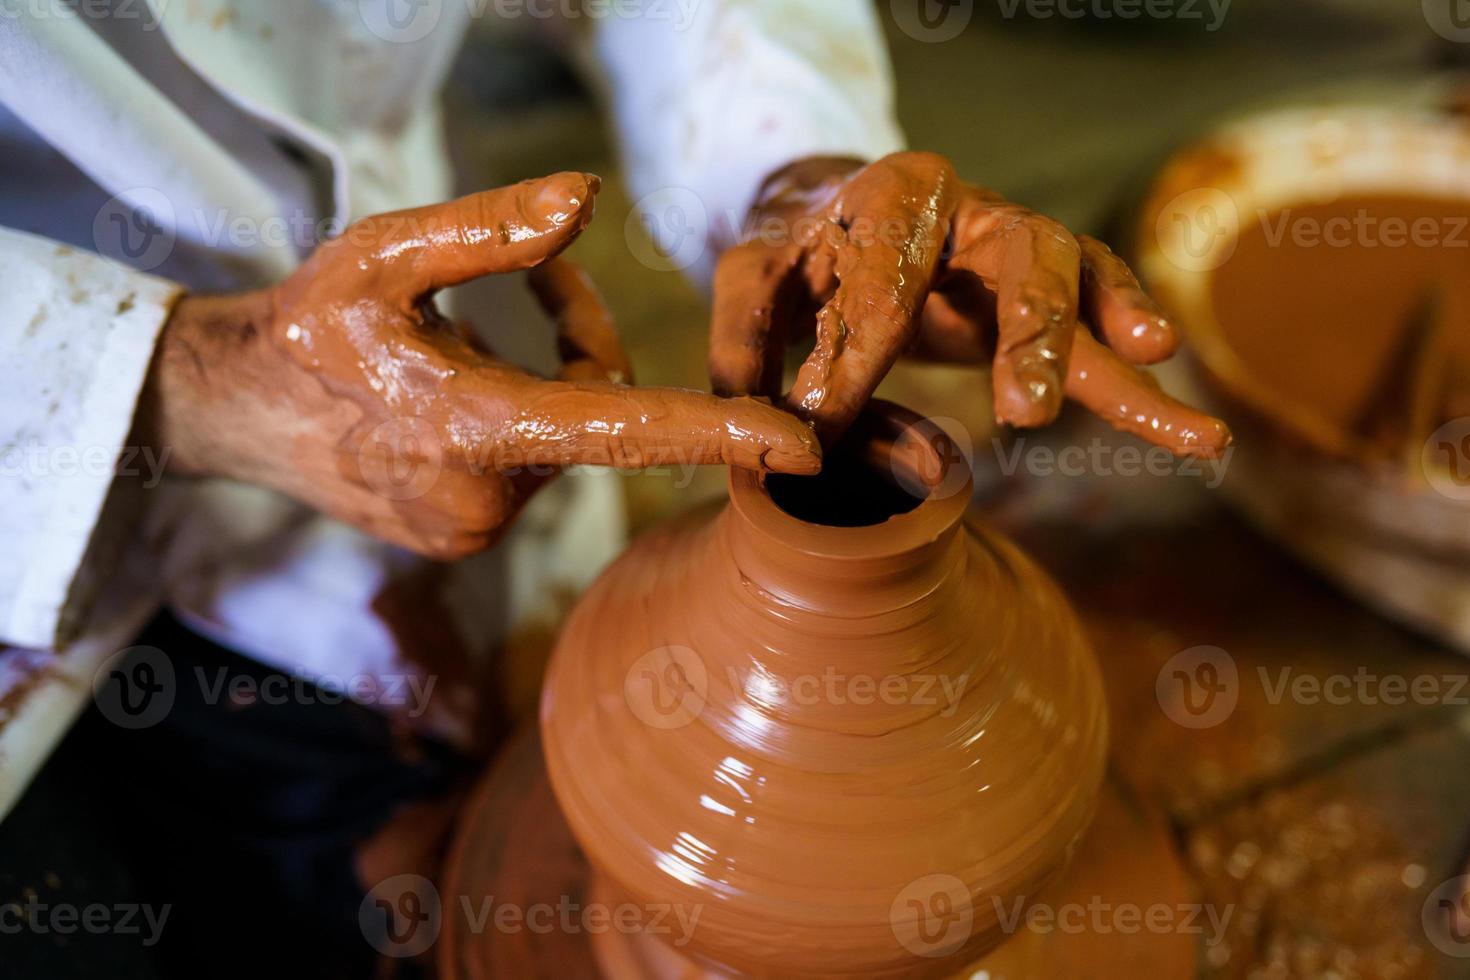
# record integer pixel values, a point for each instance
(77, 333)
(712, 96)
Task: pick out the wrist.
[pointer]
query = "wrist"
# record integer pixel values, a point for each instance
(211, 355)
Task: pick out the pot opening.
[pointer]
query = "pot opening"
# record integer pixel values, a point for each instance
(895, 481)
(849, 492)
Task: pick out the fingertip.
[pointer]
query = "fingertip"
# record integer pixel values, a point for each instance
(1028, 398)
(803, 461)
(1149, 336)
(1211, 441)
(783, 443)
(1160, 333)
(561, 199)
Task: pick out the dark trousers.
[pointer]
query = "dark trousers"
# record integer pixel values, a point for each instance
(240, 818)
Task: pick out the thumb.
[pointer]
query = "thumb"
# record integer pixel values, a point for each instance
(502, 230)
(569, 423)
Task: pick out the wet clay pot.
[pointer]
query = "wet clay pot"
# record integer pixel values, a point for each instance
(844, 727)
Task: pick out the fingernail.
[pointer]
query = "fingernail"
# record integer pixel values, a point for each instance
(797, 458)
(1030, 397)
(1042, 387)
(561, 198)
(1153, 336)
(1216, 438)
(789, 446)
(1150, 325)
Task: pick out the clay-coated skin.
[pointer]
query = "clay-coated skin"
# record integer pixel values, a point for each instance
(345, 388)
(900, 257)
(703, 760)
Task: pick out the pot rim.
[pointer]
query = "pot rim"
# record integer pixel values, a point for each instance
(912, 446)
(1260, 164)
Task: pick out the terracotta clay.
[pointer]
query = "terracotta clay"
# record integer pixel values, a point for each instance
(513, 849)
(1314, 257)
(900, 256)
(330, 385)
(1358, 330)
(835, 743)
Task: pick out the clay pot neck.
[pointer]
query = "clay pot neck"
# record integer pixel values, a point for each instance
(879, 529)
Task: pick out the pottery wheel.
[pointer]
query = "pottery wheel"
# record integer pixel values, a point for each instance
(512, 848)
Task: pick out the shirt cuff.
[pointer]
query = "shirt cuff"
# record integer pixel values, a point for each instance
(78, 333)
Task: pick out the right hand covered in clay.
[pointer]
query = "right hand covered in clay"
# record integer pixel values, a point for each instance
(900, 257)
(344, 387)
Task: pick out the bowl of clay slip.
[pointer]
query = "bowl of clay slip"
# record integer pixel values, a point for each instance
(1318, 262)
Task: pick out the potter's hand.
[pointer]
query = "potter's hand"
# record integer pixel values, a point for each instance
(345, 388)
(900, 257)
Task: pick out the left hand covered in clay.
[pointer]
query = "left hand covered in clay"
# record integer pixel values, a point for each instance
(344, 387)
(900, 257)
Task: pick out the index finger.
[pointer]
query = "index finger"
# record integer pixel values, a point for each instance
(894, 221)
(564, 423)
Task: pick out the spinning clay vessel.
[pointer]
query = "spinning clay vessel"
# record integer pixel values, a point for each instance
(838, 727)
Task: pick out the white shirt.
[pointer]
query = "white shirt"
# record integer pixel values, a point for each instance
(205, 145)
